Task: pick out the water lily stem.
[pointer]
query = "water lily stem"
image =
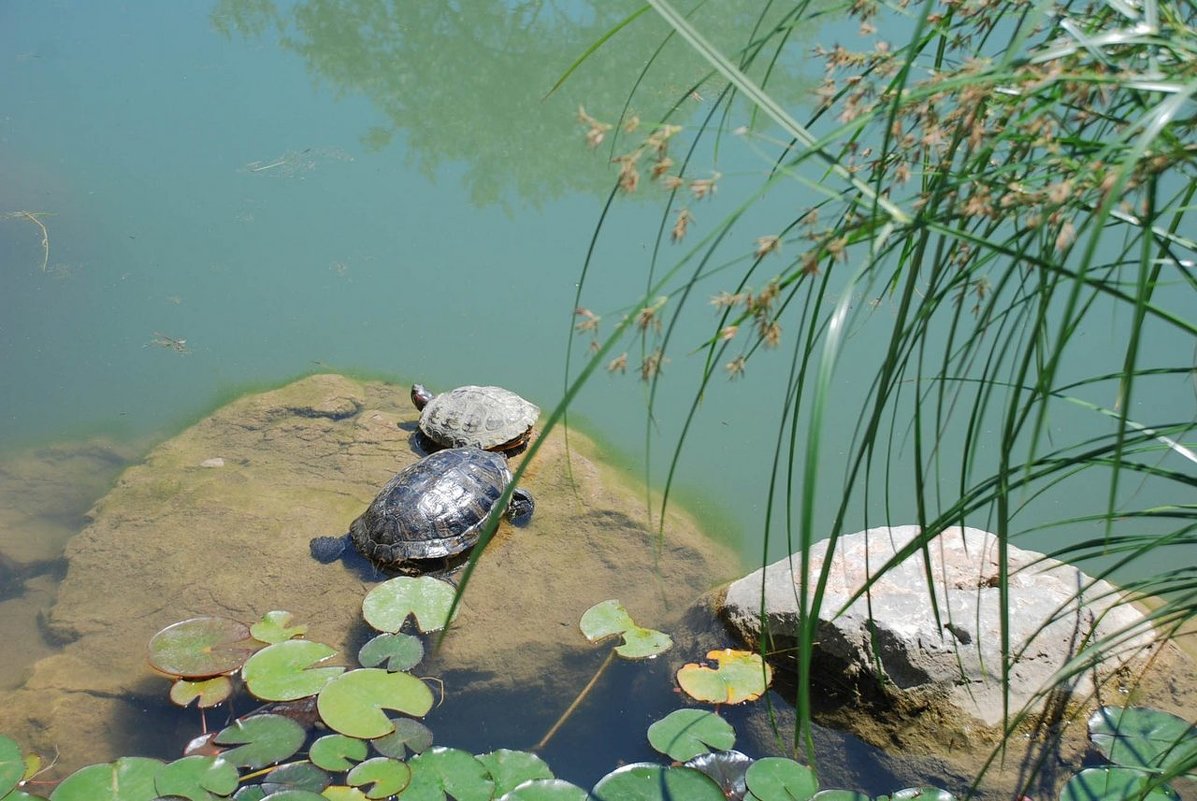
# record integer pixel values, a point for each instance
(576, 702)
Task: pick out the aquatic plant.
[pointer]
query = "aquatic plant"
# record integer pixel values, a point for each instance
(977, 187)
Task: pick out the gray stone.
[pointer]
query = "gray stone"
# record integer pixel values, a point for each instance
(889, 644)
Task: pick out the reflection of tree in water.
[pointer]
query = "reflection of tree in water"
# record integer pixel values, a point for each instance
(464, 82)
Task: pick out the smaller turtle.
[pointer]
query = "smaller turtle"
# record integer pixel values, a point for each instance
(490, 418)
(432, 510)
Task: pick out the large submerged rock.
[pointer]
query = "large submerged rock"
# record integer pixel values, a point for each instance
(894, 665)
(217, 521)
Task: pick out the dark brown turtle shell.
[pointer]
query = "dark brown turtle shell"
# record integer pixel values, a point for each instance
(434, 508)
(491, 418)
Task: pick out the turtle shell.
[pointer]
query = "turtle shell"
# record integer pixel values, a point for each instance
(432, 509)
(478, 417)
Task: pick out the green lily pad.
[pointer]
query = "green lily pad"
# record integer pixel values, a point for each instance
(352, 703)
(645, 781)
(1139, 737)
(409, 735)
(250, 792)
(295, 795)
(399, 651)
(199, 778)
(387, 606)
(509, 768)
(339, 792)
(12, 765)
(447, 772)
(1114, 784)
(208, 692)
(296, 776)
(727, 769)
(282, 672)
(126, 779)
(547, 790)
(741, 676)
(609, 618)
(780, 779)
(268, 739)
(21, 795)
(840, 795)
(685, 733)
(920, 793)
(336, 752)
(385, 776)
(201, 647)
(276, 627)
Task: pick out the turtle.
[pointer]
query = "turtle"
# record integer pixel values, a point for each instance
(431, 510)
(490, 418)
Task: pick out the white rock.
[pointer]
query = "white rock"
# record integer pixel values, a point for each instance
(958, 657)
(215, 461)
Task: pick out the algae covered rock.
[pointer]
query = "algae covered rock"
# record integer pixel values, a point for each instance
(217, 520)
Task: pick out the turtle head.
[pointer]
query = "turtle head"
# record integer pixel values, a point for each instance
(522, 504)
(420, 395)
(328, 549)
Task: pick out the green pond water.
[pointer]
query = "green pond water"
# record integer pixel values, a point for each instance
(237, 193)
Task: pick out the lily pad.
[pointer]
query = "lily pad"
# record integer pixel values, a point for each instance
(385, 776)
(1139, 737)
(21, 795)
(840, 795)
(685, 733)
(741, 676)
(448, 772)
(12, 765)
(609, 618)
(208, 692)
(267, 740)
(510, 768)
(546, 790)
(726, 769)
(250, 792)
(1114, 784)
(296, 795)
(645, 781)
(199, 778)
(126, 779)
(781, 779)
(276, 627)
(338, 792)
(399, 651)
(337, 752)
(352, 703)
(296, 776)
(409, 735)
(283, 672)
(427, 599)
(201, 647)
(920, 793)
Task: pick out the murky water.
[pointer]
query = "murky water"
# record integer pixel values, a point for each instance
(198, 199)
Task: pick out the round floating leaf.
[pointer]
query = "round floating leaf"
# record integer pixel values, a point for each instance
(352, 703)
(210, 692)
(644, 781)
(199, 778)
(336, 752)
(511, 768)
(685, 733)
(282, 672)
(741, 676)
(388, 605)
(409, 735)
(605, 619)
(201, 647)
(442, 772)
(250, 792)
(388, 776)
(726, 769)
(1114, 784)
(12, 765)
(547, 790)
(276, 627)
(840, 795)
(295, 795)
(267, 739)
(296, 776)
(1139, 737)
(126, 779)
(21, 795)
(780, 779)
(399, 651)
(338, 792)
(642, 643)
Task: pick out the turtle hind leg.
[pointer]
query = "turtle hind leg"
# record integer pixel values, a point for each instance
(328, 549)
